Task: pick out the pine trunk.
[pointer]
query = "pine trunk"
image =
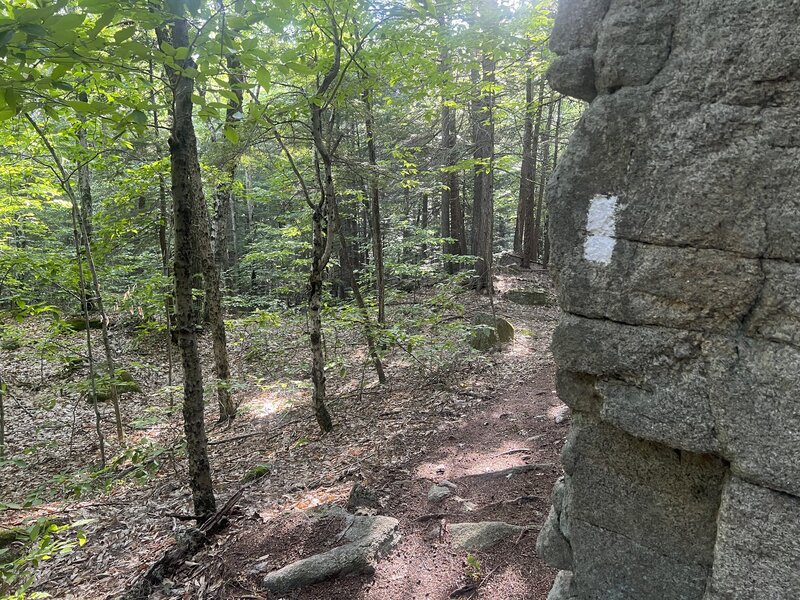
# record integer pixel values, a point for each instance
(543, 172)
(483, 199)
(526, 182)
(528, 242)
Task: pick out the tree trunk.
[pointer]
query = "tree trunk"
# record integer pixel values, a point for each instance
(375, 212)
(84, 180)
(83, 212)
(526, 182)
(556, 143)
(424, 224)
(80, 237)
(321, 249)
(537, 225)
(483, 199)
(319, 242)
(444, 212)
(185, 187)
(528, 242)
(98, 421)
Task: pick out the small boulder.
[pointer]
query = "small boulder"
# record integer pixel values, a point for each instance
(370, 539)
(530, 297)
(362, 497)
(476, 536)
(124, 382)
(505, 330)
(256, 472)
(81, 324)
(483, 336)
(489, 332)
(440, 491)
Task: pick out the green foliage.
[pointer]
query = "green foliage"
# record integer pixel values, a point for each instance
(23, 549)
(472, 568)
(256, 472)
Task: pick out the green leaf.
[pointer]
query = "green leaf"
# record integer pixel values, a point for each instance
(231, 134)
(139, 117)
(5, 37)
(263, 77)
(104, 20)
(124, 34)
(69, 21)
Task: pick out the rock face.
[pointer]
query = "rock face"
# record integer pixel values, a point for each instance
(676, 250)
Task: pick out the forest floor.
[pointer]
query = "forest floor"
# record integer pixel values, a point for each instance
(456, 415)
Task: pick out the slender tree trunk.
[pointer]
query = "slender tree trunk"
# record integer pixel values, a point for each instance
(526, 183)
(223, 195)
(347, 267)
(321, 249)
(444, 213)
(556, 143)
(79, 235)
(528, 242)
(83, 212)
(375, 212)
(537, 225)
(483, 200)
(424, 224)
(185, 187)
(92, 370)
(3, 390)
(84, 180)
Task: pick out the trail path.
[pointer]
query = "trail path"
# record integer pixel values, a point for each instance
(471, 426)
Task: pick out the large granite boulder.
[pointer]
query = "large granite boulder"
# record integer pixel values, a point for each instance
(676, 251)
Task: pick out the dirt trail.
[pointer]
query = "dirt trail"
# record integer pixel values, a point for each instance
(501, 418)
(463, 425)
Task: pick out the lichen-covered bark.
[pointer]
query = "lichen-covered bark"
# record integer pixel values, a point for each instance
(183, 153)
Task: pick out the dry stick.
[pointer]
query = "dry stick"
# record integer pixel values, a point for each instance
(185, 547)
(254, 434)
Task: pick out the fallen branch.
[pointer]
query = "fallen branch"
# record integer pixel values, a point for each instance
(516, 451)
(510, 471)
(185, 547)
(244, 436)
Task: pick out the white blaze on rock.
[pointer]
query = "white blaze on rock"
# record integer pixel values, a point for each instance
(601, 227)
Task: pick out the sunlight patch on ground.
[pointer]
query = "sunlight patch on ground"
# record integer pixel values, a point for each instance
(276, 397)
(459, 463)
(303, 500)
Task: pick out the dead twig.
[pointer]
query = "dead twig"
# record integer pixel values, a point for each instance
(245, 436)
(185, 547)
(515, 451)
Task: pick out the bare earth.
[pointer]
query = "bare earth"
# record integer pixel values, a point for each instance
(464, 425)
